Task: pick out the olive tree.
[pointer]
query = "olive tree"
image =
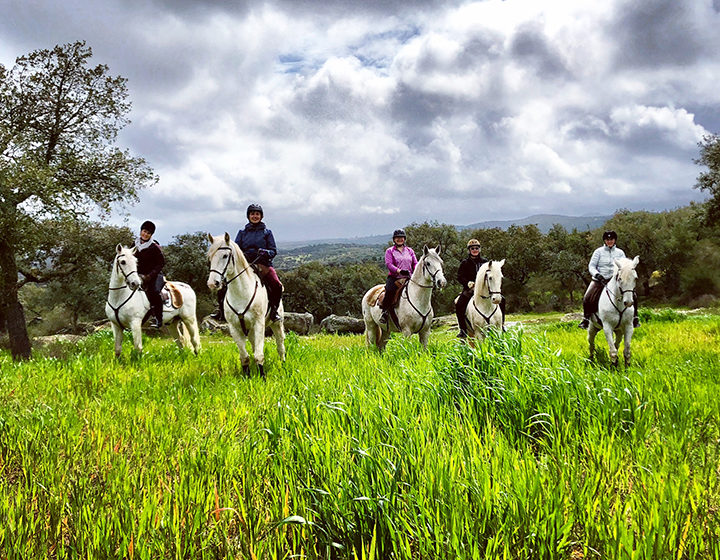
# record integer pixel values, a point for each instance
(59, 120)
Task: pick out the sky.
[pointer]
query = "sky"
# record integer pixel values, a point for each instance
(351, 118)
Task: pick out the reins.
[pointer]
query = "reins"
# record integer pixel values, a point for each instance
(612, 297)
(490, 294)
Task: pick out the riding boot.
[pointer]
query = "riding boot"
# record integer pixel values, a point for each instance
(585, 323)
(219, 314)
(636, 320)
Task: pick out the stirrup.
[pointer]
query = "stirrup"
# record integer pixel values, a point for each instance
(585, 323)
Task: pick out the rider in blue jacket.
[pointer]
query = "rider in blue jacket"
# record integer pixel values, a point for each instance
(258, 245)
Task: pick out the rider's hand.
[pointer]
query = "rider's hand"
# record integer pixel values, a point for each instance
(404, 273)
(599, 277)
(471, 285)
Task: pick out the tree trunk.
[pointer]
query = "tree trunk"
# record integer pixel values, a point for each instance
(12, 308)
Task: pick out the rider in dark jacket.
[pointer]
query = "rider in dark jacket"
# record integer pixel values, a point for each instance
(150, 262)
(258, 245)
(467, 272)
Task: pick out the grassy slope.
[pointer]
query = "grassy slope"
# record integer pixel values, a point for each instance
(518, 449)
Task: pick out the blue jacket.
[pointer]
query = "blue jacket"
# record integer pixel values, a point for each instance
(258, 243)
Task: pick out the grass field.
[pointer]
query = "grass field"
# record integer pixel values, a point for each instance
(519, 448)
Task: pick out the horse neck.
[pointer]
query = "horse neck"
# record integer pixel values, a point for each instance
(481, 290)
(246, 281)
(420, 285)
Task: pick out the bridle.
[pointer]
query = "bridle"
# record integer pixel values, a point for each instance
(433, 275)
(612, 297)
(222, 273)
(226, 282)
(124, 286)
(489, 296)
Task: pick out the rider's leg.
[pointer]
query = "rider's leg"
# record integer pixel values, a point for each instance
(460, 308)
(390, 290)
(275, 289)
(636, 320)
(589, 303)
(219, 315)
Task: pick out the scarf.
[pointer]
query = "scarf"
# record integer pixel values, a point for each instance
(139, 245)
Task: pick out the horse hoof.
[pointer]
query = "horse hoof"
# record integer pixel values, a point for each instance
(246, 370)
(261, 369)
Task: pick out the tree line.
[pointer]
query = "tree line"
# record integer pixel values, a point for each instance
(59, 165)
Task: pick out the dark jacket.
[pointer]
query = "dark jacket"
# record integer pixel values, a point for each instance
(150, 261)
(258, 243)
(467, 272)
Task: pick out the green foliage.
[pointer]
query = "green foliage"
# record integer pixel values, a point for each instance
(186, 261)
(59, 119)
(710, 180)
(518, 448)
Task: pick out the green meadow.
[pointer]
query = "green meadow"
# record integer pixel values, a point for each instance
(518, 448)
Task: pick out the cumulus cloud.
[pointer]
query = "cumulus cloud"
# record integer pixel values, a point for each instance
(346, 118)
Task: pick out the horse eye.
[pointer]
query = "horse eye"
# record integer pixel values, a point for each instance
(122, 262)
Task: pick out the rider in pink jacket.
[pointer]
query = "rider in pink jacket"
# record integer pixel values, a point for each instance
(400, 261)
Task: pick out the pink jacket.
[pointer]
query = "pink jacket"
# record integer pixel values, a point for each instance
(400, 260)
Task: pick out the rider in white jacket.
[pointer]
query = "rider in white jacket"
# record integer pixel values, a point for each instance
(601, 269)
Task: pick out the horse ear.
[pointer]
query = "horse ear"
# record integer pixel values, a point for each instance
(425, 251)
(438, 248)
(119, 248)
(500, 263)
(227, 238)
(210, 238)
(636, 261)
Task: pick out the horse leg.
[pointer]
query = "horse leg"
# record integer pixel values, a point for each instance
(239, 338)
(278, 330)
(592, 333)
(257, 341)
(118, 334)
(608, 330)
(194, 331)
(628, 336)
(182, 339)
(136, 328)
(424, 336)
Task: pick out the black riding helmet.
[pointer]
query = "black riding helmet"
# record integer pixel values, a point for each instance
(609, 235)
(399, 233)
(254, 208)
(147, 225)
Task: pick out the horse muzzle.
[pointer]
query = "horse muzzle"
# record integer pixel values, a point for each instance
(440, 283)
(133, 284)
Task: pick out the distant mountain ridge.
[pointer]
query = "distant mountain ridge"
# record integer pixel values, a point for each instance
(543, 221)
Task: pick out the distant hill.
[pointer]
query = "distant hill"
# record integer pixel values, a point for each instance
(369, 248)
(545, 221)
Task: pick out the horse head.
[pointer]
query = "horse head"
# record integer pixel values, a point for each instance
(489, 277)
(626, 278)
(125, 264)
(432, 267)
(220, 256)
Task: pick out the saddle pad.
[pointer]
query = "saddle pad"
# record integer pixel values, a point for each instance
(172, 297)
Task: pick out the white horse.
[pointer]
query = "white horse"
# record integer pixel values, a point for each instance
(483, 310)
(246, 301)
(127, 305)
(615, 310)
(414, 311)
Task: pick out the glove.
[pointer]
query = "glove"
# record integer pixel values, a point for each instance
(471, 285)
(262, 251)
(599, 277)
(405, 273)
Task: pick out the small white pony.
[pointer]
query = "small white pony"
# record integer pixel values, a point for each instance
(615, 310)
(246, 301)
(127, 304)
(414, 310)
(483, 310)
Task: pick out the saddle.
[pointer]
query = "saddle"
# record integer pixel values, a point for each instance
(171, 296)
(378, 296)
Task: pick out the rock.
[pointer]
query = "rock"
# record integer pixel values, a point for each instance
(571, 317)
(445, 322)
(212, 325)
(40, 341)
(300, 323)
(339, 324)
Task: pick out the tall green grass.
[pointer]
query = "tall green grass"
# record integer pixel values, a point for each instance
(519, 448)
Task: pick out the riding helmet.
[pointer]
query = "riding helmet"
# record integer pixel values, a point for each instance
(473, 243)
(147, 225)
(399, 233)
(609, 235)
(254, 208)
